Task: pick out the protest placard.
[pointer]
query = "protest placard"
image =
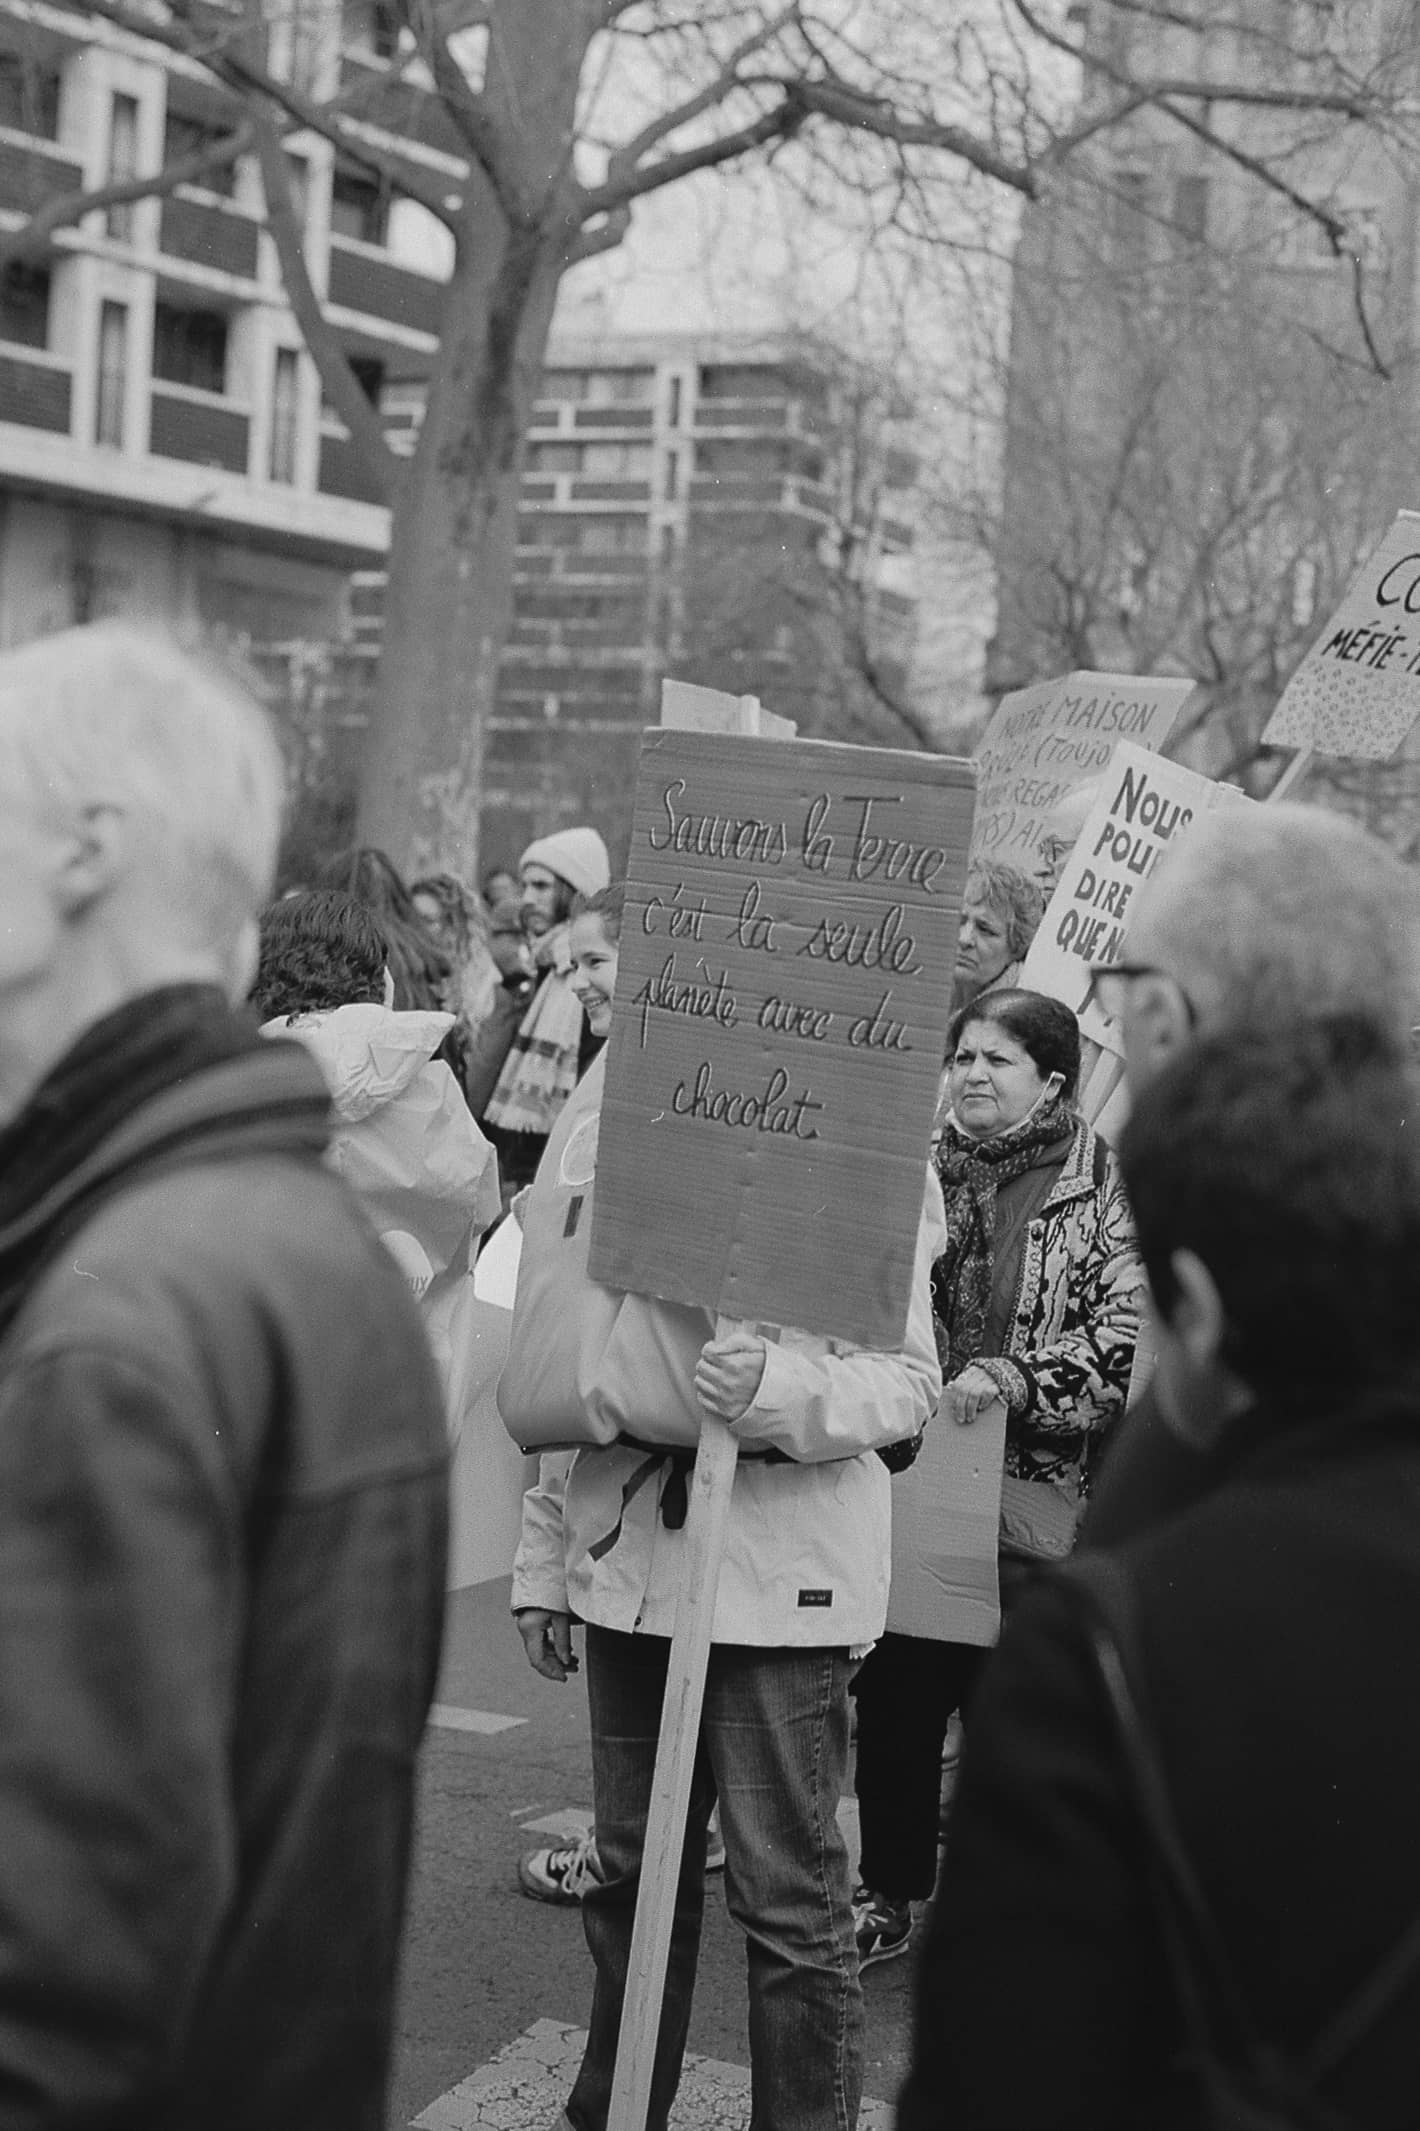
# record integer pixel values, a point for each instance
(786, 963)
(1043, 741)
(1357, 691)
(1145, 806)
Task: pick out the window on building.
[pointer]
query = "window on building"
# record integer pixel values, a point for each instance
(298, 172)
(371, 26)
(24, 306)
(122, 162)
(673, 401)
(671, 483)
(611, 536)
(369, 376)
(359, 206)
(620, 388)
(554, 459)
(185, 135)
(1129, 215)
(112, 394)
(285, 413)
(741, 381)
(1190, 208)
(29, 96)
(564, 384)
(190, 347)
(617, 462)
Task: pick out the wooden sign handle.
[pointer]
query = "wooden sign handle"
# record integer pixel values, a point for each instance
(706, 1519)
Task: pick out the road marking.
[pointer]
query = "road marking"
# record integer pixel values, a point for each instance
(448, 1718)
(526, 2086)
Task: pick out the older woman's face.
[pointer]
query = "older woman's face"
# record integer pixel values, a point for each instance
(993, 1080)
(983, 952)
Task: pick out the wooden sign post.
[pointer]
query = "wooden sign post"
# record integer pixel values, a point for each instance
(787, 951)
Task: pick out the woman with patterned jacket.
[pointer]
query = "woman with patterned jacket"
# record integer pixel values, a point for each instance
(1036, 1299)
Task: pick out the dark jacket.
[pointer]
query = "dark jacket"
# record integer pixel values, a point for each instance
(1279, 1617)
(222, 1506)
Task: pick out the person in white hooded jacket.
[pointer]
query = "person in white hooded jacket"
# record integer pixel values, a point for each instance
(802, 1592)
(405, 1143)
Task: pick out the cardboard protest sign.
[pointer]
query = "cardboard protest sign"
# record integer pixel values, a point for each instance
(1042, 741)
(946, 1533)
(1357, 691)
(782, 1000)
(1146, 805)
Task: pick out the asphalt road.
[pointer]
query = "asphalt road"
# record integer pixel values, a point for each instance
(482, 1962)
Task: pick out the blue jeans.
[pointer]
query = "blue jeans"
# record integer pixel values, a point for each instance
(773, 1749)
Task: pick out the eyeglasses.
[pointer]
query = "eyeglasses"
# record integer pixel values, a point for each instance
(1109, 979)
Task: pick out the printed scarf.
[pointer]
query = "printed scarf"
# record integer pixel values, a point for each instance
(540, 1070)
(972, 1172)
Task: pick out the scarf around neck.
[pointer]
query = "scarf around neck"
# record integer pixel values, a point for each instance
(540, 1070)
(972, 1172)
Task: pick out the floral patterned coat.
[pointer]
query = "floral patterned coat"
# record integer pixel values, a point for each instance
(1064, 1371)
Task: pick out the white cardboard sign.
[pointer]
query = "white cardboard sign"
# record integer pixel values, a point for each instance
(1357, 691)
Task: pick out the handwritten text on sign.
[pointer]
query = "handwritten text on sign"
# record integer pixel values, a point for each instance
(1045, 740)
(1357, 691)
(1144, 810)
(784, 988)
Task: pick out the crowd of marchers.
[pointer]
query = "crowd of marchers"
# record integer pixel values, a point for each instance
(249, 1151)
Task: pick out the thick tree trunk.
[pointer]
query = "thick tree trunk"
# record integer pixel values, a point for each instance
(450, 590)
(454, 533)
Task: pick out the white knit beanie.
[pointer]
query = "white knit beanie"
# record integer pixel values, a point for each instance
(577, 856)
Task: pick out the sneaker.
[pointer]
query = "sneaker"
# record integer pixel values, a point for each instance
(882, 1928)
(563, 1871)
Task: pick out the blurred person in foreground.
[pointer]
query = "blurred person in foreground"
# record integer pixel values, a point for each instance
(222, 1454)
(1261, 914)
(554, 1043)
(1001, 912)
(1036, 1303)
(1269, 1635)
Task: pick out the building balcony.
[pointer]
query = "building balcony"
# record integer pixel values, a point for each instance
(32, 173)
(624, 417)
(34, 389)
(200, 427)
(209, 232)
(367, 281)
(742, 414)
(374, 91)
(610, 491)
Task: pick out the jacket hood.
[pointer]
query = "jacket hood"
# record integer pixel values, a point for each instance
(368, 1054)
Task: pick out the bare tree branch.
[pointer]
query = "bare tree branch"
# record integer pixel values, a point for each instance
(342, 387)
(33, 239)
(779, 124)
(604, 236)
(626, 158)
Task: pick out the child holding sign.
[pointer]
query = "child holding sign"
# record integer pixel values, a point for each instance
(802, 1591)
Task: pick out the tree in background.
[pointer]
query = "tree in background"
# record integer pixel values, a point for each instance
(907, 122)
(1210, 404)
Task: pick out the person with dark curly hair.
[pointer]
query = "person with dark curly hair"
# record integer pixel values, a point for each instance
(419, 966)
(318, 950)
